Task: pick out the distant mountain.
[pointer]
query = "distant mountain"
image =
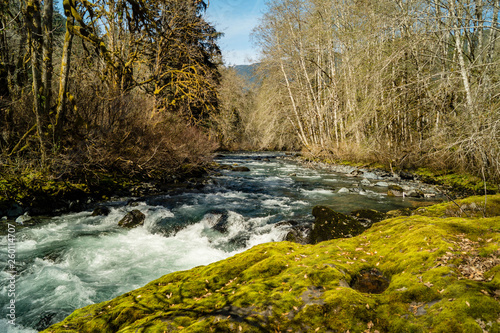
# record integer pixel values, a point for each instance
(248, 72)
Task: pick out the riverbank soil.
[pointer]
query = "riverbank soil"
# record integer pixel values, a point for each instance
(438, 271)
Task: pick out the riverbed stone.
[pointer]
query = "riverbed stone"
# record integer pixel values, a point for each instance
(416, 193)
(395, 191)
(241, 169)
(23, 218)
(370, 175)
(101, 211)
(222, 224)
(298, 232)
(344, 190)
(133, 219)
(330, 224)
(365, 182)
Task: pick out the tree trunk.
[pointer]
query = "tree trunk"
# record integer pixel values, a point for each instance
(47, 46)
(63, 80)
(36, 46)
(460, 53)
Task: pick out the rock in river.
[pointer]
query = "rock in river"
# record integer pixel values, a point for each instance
(132, 219)
(101, 211)
(395, 191)
(241, 168)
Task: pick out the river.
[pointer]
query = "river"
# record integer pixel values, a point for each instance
(70, 261)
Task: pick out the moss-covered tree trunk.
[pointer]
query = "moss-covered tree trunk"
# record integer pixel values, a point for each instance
(63, 80)
(47, 46)
(36, 45)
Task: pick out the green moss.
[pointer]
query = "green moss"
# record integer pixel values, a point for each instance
(285, 286)
(468, 207)
(457, 182)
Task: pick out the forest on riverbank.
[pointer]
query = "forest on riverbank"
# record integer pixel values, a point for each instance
(402, 83)
(138, 90)
(123, 87)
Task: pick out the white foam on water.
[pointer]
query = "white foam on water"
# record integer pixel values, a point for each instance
(223, 196)
(276, 203)
(266, 234)
(317, 192)
(309, 176)
(9, 328)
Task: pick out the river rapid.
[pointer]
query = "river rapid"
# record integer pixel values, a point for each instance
(70, 261)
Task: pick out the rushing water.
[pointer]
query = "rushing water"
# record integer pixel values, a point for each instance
(70, 261)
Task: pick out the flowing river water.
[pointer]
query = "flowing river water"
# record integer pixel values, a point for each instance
(70, 261)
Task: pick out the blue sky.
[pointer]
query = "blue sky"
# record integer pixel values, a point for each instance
(236, 19)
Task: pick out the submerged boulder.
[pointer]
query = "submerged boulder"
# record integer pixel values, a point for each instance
(132, 219)
(101, 211)
(241, 169)
(298, 232)
(221, 222)
(330, 224)
(225, 167)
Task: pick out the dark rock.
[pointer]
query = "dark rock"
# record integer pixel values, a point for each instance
(406, 175)
(225, 167)
(298, 231)
(368, 215)
(46, 319)
(132, 219)
(370, 281)
(330, 224)
(299, 234)
(356, 173)
(101, 211)
(416, 194)
(238, 241)
(15, 210)
(395, 188)
(222, 223)
(395, 191)
(292, 223)
(241, 168)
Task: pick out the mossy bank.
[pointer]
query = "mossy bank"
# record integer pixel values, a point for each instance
(443, 275)
(40, 193)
